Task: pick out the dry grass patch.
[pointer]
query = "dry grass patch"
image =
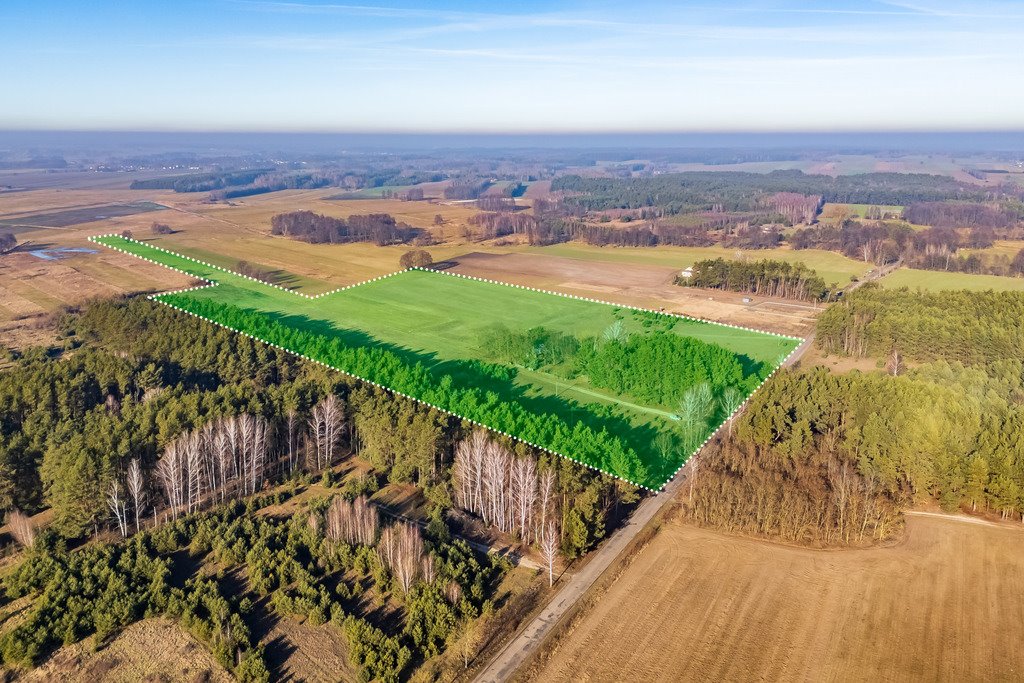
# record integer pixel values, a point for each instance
(150, 650)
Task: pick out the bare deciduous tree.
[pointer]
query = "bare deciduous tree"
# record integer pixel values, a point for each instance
(547, 500)
(427, 568)
(387, 547)
(506, 492)
(291, 425)
(225, 455)
(549, 550)
(169, 470)
(470, 642)
(22, 529)
(894, 366)
(326, 424)
(137, 489)
(409, 559)
(352, 522)
(524, 493)
(119, 506)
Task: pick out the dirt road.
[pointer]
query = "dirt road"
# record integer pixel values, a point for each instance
(522, 647)
(945, 604)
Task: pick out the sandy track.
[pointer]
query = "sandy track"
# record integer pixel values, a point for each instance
(946, 604)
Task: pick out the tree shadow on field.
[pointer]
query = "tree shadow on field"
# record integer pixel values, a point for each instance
(473, 375)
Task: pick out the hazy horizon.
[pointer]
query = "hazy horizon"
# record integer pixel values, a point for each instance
(528, 67)
(834, 142)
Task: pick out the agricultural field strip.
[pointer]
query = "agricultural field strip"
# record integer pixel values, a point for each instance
(682, 316)
(98, 239)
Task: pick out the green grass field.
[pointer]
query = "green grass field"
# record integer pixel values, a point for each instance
(1007, 248)
(435, 320)
(936, 280)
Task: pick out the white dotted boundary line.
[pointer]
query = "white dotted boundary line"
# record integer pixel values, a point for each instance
(608, 303)
(468, 277)
(681, 316)
(156, 298)
(96, 239)
(724, 422)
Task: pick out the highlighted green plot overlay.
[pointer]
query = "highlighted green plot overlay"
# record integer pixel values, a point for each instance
(630, 392)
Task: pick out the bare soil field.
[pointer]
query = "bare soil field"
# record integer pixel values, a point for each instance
(240, 230)
(647, 285)
(21, 180)
(150, 650)
(944, 604)
(31, 287)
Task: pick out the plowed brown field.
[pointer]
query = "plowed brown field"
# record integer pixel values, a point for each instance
(945, 604)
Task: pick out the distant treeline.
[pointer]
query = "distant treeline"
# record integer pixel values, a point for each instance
(466, 189)
(496, 203)
(740, 191)
(33, 162)
(931, 249)
(556, 225)
(257, 181)
(765, 277)
(275, 182)
(552, 229)
(964, 214)
(254, 271)
(199, 182)
(794, 206)
(380, 228)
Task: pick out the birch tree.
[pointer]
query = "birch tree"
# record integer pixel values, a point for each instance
(291, 425)
(118, 506)
(549, 550)
(22, 528)
(169, 471)
(137, 490)
(353, 522)
(409, 558)
(326, 424)
(387, 547)
(506, 492)
(524, 493)
(193, 469)
(547, 499)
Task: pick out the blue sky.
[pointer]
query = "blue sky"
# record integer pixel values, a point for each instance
(511, 66)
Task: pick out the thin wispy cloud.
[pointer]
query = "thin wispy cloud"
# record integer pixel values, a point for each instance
(460, 65)
(1005, 11)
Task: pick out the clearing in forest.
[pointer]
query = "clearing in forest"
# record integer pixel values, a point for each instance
(629, 392)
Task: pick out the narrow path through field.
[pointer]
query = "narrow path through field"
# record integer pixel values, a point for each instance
(596, 394)
(966, 519)
(562, 387)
